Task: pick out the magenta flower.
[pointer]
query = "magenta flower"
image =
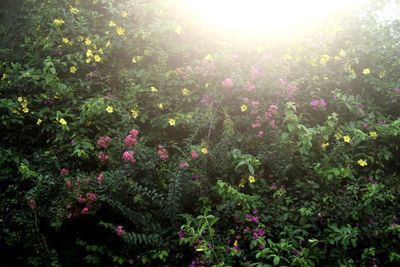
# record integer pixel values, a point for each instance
(194, 154)
(81, 199)
(68, 184)
(227, 83)
(162, 153)
(184, 165)
(120, 231)
(134, 132)
(260, 134)
(103, 141)
(129, 156)
(318, 104)
(32, 204)
(181, 234)
(130, 140)
(91, 196)
(85, 210)
(64, 171)
(102, 156)
(100, 178)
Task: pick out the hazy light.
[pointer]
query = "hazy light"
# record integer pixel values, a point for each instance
(278, 17)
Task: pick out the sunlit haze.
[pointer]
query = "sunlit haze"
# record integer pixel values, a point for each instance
(276, 18)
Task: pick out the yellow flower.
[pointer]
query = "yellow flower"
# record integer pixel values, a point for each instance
(362, 162)
(346, 138)
(39, 121)
(243, 108)
(74, 10)
(209, 57)
(62, 121)
(108, 44)
(185, 91)
(88, 41)
(112, 24)
(373, 135)
(81, 38)
(172, 122)
(110, 109)
(366, 71)
(135, 113)
(25, 110)
(342, 53)
(242, 183)
(382, 74)
(324, 145)
(120, 31)
(4, 77)
(252, 179)
(66, 40)
(178, 29)
(58, 22)
(124, 13)
(20, 99)
(88, 60)
(204, 150)
(73, 69)
(338, 136)
(235, 244)
(153, 89)
(97, 58)
(324, 59)
(160, 105)
(89, 53)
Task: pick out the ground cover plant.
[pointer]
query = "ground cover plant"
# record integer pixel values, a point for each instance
(130, 136)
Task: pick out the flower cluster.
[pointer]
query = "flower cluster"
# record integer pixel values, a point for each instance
(130, 139)
(162, 153)
(318, 104)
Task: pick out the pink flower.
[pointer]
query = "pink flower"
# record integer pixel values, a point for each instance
(273, 124)
(256, 124)
(102, 156)
(81, 199)
(227, 83)
(32, 204)
(129, 156)
(249, 87)
(134, 132)
(397, 90)
(100, 178)
(64, 171)
(85, 210)
(103, 141)
(162, 153)
(194, 154)
(130, 140)
(68, 183)
(91, 196)
(120, 231)
(318, 104)
(260, 134)
(184, 165)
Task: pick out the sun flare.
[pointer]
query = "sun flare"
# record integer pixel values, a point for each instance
(265, 16)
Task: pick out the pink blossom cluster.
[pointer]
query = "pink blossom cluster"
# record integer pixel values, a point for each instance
(64, 171)
(130, 139)
(194, 154)
(100, 178)
(102, 156)
(184, 165)
(89, 199)
(162, 153)
(291, 88)
(119, 230)
(318, 104)
(129, 156)
(103, 141)
(249, 87)
(227, 83)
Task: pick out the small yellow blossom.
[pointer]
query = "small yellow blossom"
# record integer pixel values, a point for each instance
(362, 162)
(204, 150)
(88, 41)
(124, 13)
(88, 60)
(4, 77)
(235, 244)
(20, 99)
(62, 121)
(110, 109)
(338, 136)
(342, 53)
(252, 179)
(243, 108)
(120, 31)
(346, 138)
(172, 122)
(324, 59)
(39, 121)
(366, 71)
(185, 91)
(112, 24)
(160, 105)
(81, 38)
(58, 22)
(66, 40)
(25, 109)
(135, 113)
(324, 146)
(153, 89)
(73, 69)
(373, 135)
(97, 58)
(89, 53)
(74, 10)
(242, 183)
(382, 74)
(178, 29)
(108, 44)
(209, 57)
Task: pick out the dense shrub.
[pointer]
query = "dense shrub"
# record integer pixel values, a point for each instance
(131, 136)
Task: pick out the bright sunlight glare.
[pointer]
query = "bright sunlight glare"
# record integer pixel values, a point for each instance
(271, 17)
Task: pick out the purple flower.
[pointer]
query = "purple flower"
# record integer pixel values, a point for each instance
(318, 104)
(181, 234)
